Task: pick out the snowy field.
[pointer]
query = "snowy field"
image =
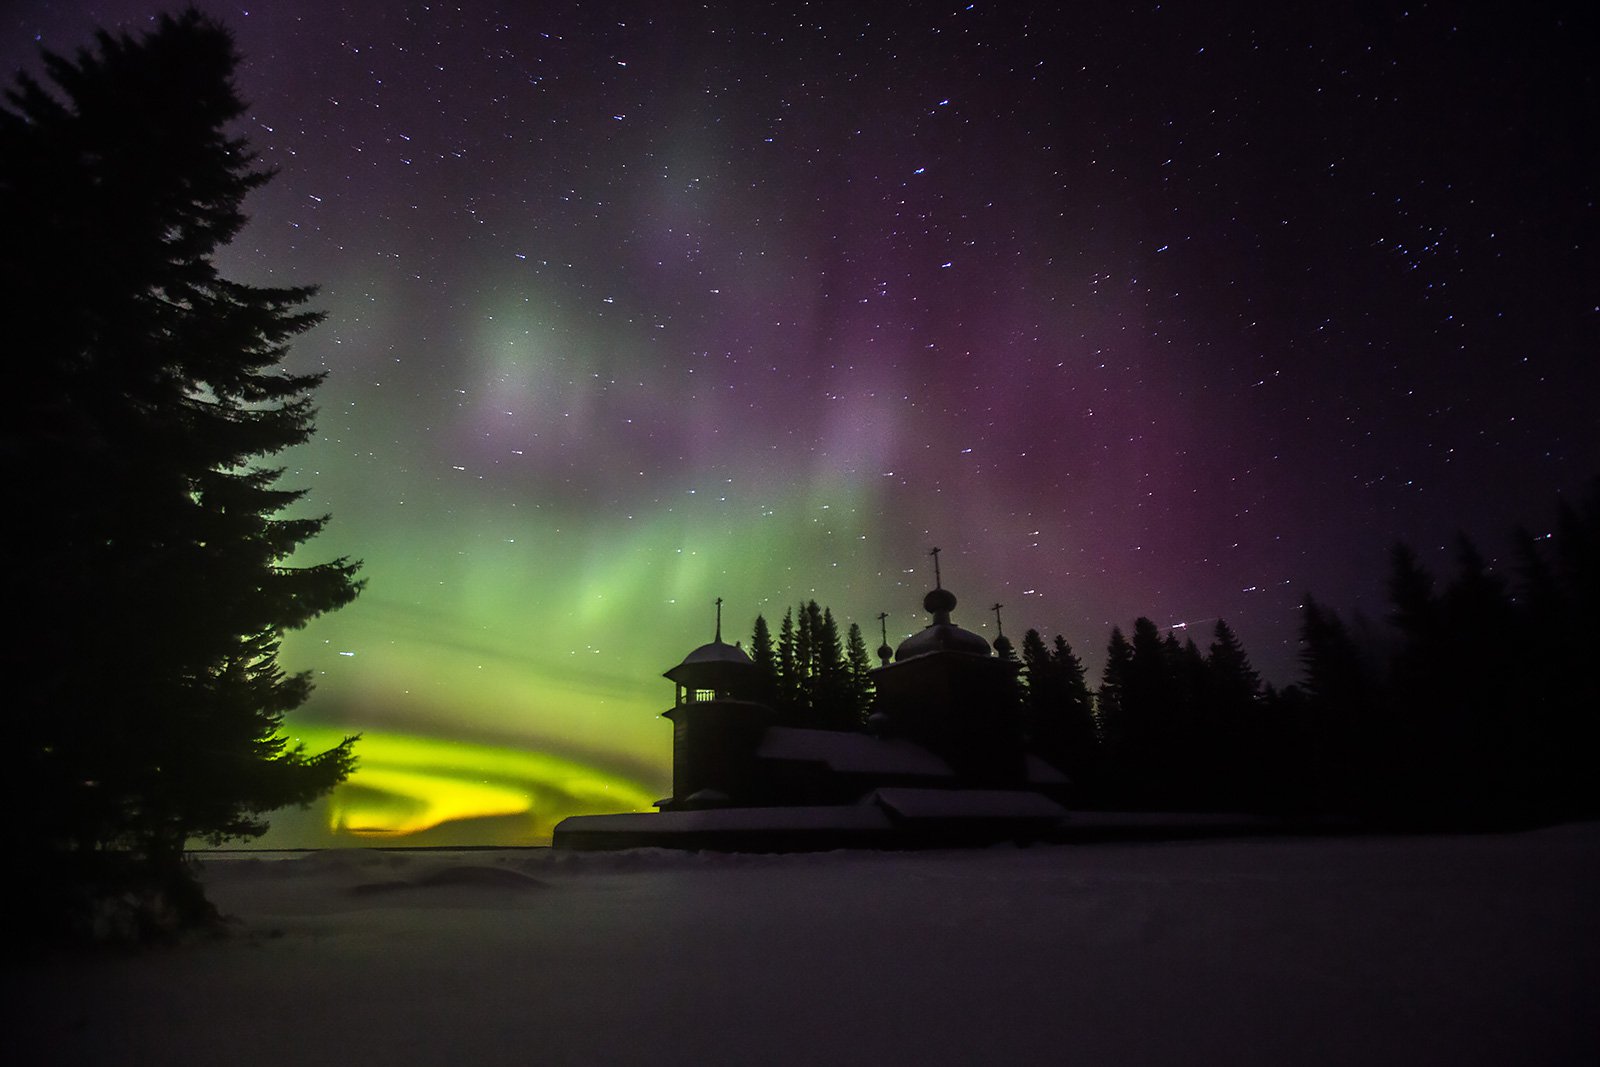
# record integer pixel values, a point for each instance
(1464, 950)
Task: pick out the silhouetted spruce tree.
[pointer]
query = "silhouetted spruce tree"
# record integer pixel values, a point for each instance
(1040, 703)
(1190, 747)
(1546, 633)
(1542, 596)
(805, 658)
(147, 701)
(765, 658)
(1558, 630)
(1113, 679)
(1572, 683)
(788, 699)
(1489, 725)
(1081, 736)
(858, 671)
(816, 625)
(1147, 734)
(1043, 727)
(1334, 671)
(1238, 733)
(834, 706)
(1058, 710)
(1110, 703)
(1423, 735)
(830, 649)
(1070, 670)
(1231, 675)
(1411, 594)
(1342, 742)
(1467, 723)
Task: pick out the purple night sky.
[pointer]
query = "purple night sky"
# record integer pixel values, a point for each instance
(1132, 310)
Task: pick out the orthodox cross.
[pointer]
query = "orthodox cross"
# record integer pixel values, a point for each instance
(936, 583)
(719, 621)
(884, 625)
(1001, 630)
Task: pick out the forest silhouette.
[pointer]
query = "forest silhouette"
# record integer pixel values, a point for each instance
(1473, 705)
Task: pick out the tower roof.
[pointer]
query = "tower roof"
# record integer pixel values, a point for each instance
(714, 662)
(717, 652)
(713, 666)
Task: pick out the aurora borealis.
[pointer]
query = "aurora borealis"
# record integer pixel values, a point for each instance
(1131, 310)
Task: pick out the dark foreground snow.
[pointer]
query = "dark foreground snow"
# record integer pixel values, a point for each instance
(1469, 950)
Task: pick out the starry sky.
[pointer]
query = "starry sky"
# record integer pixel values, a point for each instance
(1132, 309)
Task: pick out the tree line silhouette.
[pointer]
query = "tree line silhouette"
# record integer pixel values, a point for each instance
(808, 676)
(1476, 703)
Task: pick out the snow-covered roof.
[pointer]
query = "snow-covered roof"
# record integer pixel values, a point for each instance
(941, 637)
(851, 753)
(712, 666)
(719, 652)
(820, 817)
(1042, 773)
(706, 798)
(911, 803)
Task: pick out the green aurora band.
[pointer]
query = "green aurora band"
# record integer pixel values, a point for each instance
(543, 634)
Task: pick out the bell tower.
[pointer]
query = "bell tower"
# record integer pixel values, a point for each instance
(716, 726)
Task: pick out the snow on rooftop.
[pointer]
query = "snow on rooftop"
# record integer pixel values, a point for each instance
(968, 804)
(851, 753)
(1042, 773)
(820, 817)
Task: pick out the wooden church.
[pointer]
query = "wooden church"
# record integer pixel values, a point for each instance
(942, 762)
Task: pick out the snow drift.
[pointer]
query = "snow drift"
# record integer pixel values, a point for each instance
(1459, 950)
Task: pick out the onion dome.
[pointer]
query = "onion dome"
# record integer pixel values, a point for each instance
(1002, 644)
(941, 635)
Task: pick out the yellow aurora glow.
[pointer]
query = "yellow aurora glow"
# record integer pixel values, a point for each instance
(406, 784)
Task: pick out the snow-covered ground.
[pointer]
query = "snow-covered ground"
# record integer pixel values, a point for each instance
(1461, 950)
